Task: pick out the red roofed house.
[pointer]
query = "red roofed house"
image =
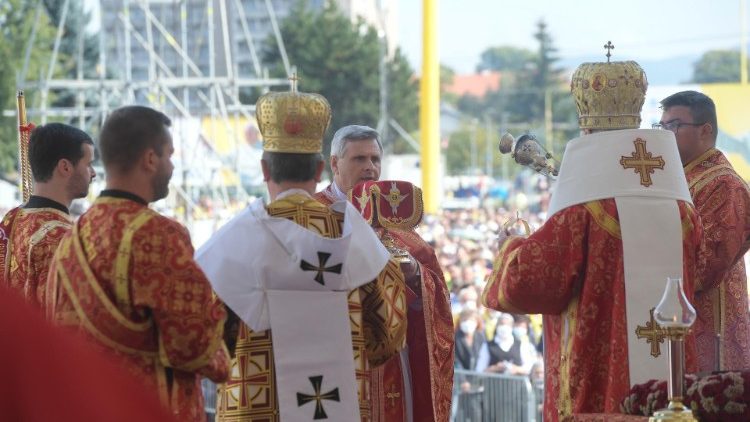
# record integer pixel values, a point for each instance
(477, 84)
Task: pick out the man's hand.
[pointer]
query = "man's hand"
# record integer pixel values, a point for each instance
(413, 278)
(410, 269)
(499, 367)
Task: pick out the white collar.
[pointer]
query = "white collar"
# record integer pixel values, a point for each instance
(338, 192)
(293, 191)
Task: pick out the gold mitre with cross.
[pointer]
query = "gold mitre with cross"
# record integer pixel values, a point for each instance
(609, 95)
(293, 122)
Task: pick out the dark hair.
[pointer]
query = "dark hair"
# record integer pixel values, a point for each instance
(51, 143)
(292, 167)
(130, 131)
(702, 107)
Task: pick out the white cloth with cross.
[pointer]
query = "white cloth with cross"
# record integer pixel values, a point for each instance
(274, 273)
(623, 164)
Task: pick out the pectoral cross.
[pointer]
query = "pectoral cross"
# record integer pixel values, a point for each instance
(653, 334)
(321, 267)
(609, 48)
(642, 162)
(393, 395)
(317, 382)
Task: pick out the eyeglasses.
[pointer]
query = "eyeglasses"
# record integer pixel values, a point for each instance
(674, 126)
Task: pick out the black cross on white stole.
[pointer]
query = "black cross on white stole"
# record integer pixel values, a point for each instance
(321, 267)
(317, 382)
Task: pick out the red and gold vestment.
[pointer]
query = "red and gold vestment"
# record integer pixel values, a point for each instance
(377, 313)
(722, 199)
(126, 279)
(429, 339)
(29, 238)
(571, 270)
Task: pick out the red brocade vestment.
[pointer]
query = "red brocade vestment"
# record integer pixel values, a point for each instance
(571, 270)
(28, 240)
(429, 338)
(722, 199)
(125, 277)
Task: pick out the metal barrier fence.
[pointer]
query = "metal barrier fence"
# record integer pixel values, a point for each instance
(480, 397)
(477, 397)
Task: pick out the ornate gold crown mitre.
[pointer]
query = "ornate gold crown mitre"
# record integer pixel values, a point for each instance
(293, 122)
(609, 95)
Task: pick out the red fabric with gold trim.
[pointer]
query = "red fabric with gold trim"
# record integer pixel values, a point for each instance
(722, 199)
(6, 227)
(361, 197)
(398, 204)
(159, 318)
(430, 325)
(32, 242)
(571, 270)
(326, 196)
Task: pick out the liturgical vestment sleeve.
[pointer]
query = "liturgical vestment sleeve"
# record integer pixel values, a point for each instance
(540, 274)
(384, 314)
(187, 305)
(723, 206)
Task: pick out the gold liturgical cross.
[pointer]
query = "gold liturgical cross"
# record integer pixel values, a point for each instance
(642, 162)
(653, 334)
(393, 395)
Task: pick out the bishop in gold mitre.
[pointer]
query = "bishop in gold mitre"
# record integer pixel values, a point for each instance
(620, 222)
(316, 299)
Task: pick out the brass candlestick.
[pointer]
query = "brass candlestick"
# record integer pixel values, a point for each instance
(675, 315)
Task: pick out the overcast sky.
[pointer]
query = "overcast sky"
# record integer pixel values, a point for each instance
(639, 29)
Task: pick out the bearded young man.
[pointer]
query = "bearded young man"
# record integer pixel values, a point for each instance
(125, 278)
(60, 157)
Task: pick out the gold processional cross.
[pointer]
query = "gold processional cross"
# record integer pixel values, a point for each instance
(642, 162)
(653, 334)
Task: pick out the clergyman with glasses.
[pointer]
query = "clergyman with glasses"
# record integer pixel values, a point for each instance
(722, 199)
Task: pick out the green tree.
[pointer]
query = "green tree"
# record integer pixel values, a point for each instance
(717, 66)
(541, 76)
(16, 23)
(505, 59)
(340, 60)
(520, 102)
